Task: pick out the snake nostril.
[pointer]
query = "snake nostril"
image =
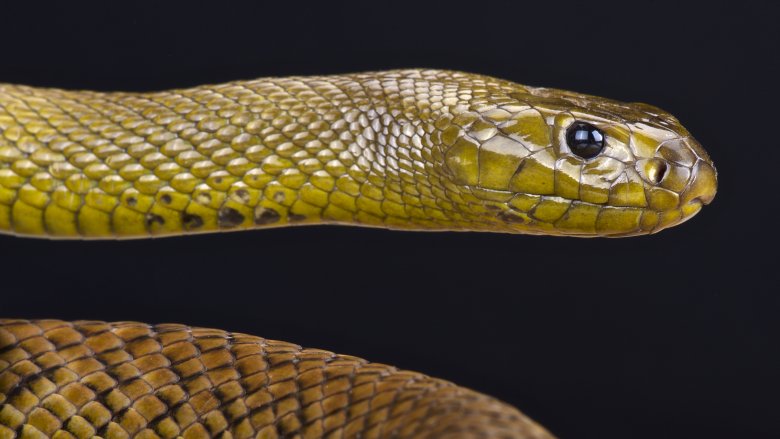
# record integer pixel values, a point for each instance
(655, 170)
(660, 172)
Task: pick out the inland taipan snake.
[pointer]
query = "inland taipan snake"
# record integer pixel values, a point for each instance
(411, 149)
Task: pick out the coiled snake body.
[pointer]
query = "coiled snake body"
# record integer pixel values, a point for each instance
(410, 149)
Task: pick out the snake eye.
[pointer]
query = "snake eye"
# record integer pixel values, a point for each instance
(584, 140)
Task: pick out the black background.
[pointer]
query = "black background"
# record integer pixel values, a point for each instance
(674, 335)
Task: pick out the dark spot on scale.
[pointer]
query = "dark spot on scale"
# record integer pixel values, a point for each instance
(243, 195)
(510, 218)
(166, 199)
(294, 217)
(229, 217)
(218, 180)
(131, 201)
(265, 216)
(152, 219)
(191, 221)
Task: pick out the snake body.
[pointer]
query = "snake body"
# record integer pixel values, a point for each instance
(122, 380)
(408, 149)
(412, 149)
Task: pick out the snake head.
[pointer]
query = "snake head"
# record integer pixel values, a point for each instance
(555, 162)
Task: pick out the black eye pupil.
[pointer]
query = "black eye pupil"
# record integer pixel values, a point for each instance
(584, 140)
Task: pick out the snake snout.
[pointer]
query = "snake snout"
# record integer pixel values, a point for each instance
(703, 184)
(682, 166)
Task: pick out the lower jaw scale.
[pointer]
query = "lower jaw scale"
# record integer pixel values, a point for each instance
(690, 209)
(678, 216)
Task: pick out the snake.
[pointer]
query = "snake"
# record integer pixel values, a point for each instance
(414, 149)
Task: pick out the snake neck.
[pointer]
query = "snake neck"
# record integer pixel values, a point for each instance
(271, 152)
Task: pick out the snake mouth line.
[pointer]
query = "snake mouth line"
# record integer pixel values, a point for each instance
(665, 218)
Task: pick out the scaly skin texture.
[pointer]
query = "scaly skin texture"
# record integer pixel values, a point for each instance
(122, 380)
(412, 149)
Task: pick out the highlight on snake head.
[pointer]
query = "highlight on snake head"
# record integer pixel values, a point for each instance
(404, 149)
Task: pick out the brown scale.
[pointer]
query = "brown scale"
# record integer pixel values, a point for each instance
(132, 380)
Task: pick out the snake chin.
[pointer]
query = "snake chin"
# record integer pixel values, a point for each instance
(690, 209)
